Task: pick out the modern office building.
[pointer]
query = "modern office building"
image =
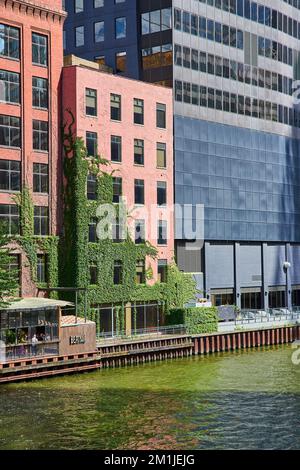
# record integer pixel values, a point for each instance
(31, 59)
(236, 128)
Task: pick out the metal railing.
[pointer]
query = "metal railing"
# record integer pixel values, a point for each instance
(249, 316)
(143, 333)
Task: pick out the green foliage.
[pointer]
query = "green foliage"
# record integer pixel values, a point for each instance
(198, 320)
(31, 244)
(8, 278)
(78, 253)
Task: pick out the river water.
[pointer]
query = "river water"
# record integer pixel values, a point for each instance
(243, 400)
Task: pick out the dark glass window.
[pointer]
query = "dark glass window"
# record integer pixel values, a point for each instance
(116, 148)
(161, 193)
(162, 270)
(39, 93)
(93, 230)
(93, 274)
(115, 107)
(9, 218)
(118, 272)
(138, 111)
(10, 175)
(40, 178)
(162, 232)
(161, 155)
(91, 143)
(10, 131)
(117, 189)
(140, 277)
(9, 41)
(139, 192)
(139, 231)
(41, 268)
(41, 220)
(90, 102)
(40, 135)
(39, 49)
(138, 152)
(161, 115)
(9, 87)
(91, 187)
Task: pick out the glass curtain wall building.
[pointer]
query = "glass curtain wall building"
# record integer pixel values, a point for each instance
(232, 64)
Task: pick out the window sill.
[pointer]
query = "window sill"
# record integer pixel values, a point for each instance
(7, 191)
(161, 167)
(38, 193)
(10, 147)
(46, 152)
(38, 108)
(35, 64)
(116, 120)
(118, 163)
(10, 58)
(11, 103)
(139, 165)
(91, 116)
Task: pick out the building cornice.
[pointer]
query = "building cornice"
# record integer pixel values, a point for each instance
(34, 8)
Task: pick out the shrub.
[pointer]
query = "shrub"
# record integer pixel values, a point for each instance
(197, 320)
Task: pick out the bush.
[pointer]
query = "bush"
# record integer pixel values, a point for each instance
(197, 320)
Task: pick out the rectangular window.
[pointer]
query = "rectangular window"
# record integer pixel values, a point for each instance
(9, 218)
(79, 36)
(41, 220)
(93, 230)
(41, 268)
(90, 102)
(10, 131)
(93, 274)
(161, 155)
(99, 31)
(161, 115)
(40, 135)
(120, 28)
(117, 189)
(138, 115)
(138, 152)
(14, 266)
(91, 143)
(162, 232)
(91, 190)
(9, 41)
(161, 193)
(9, 87)
(79, 7)
(39, 93)
(139, 236)
(39, 49)
(121, 62)
(10, 175)
(40, 178)
(139, 192)
(116, 148)
(118, 272)
(140, 277)
(115, 107)
(162, 270)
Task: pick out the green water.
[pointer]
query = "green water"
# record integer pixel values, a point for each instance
(248, 399)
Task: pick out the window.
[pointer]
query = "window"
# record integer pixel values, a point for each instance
(91, 143)
(9, 87)
(138, 152)
(79, 7)
(162, 270)
(161, 115)
(39, 49)
(115, 107)
(90, 102)
(121, 60)
(39, 93)
(156, 21)
(116, 148)
(161, 193)
(40, 178)
(139, 192)
(9, 41)
(118, 272)
(161, 157)
(79, 36)
(10, 131)
(40, 135)
(139, 236)
(41, 220)
(14, 266)
(91, 190)
(93, 230)
(99, 31)
(140, 277)
(41, 268)
(93, 274)
(98, 3)
(162, 232)
(138, 106)
(10, 175)
(9, 218)
(120, 28)
(117, 189)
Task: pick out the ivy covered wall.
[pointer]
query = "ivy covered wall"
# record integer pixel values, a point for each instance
(77, 253)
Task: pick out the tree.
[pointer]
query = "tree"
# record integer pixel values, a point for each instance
(8, 277)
